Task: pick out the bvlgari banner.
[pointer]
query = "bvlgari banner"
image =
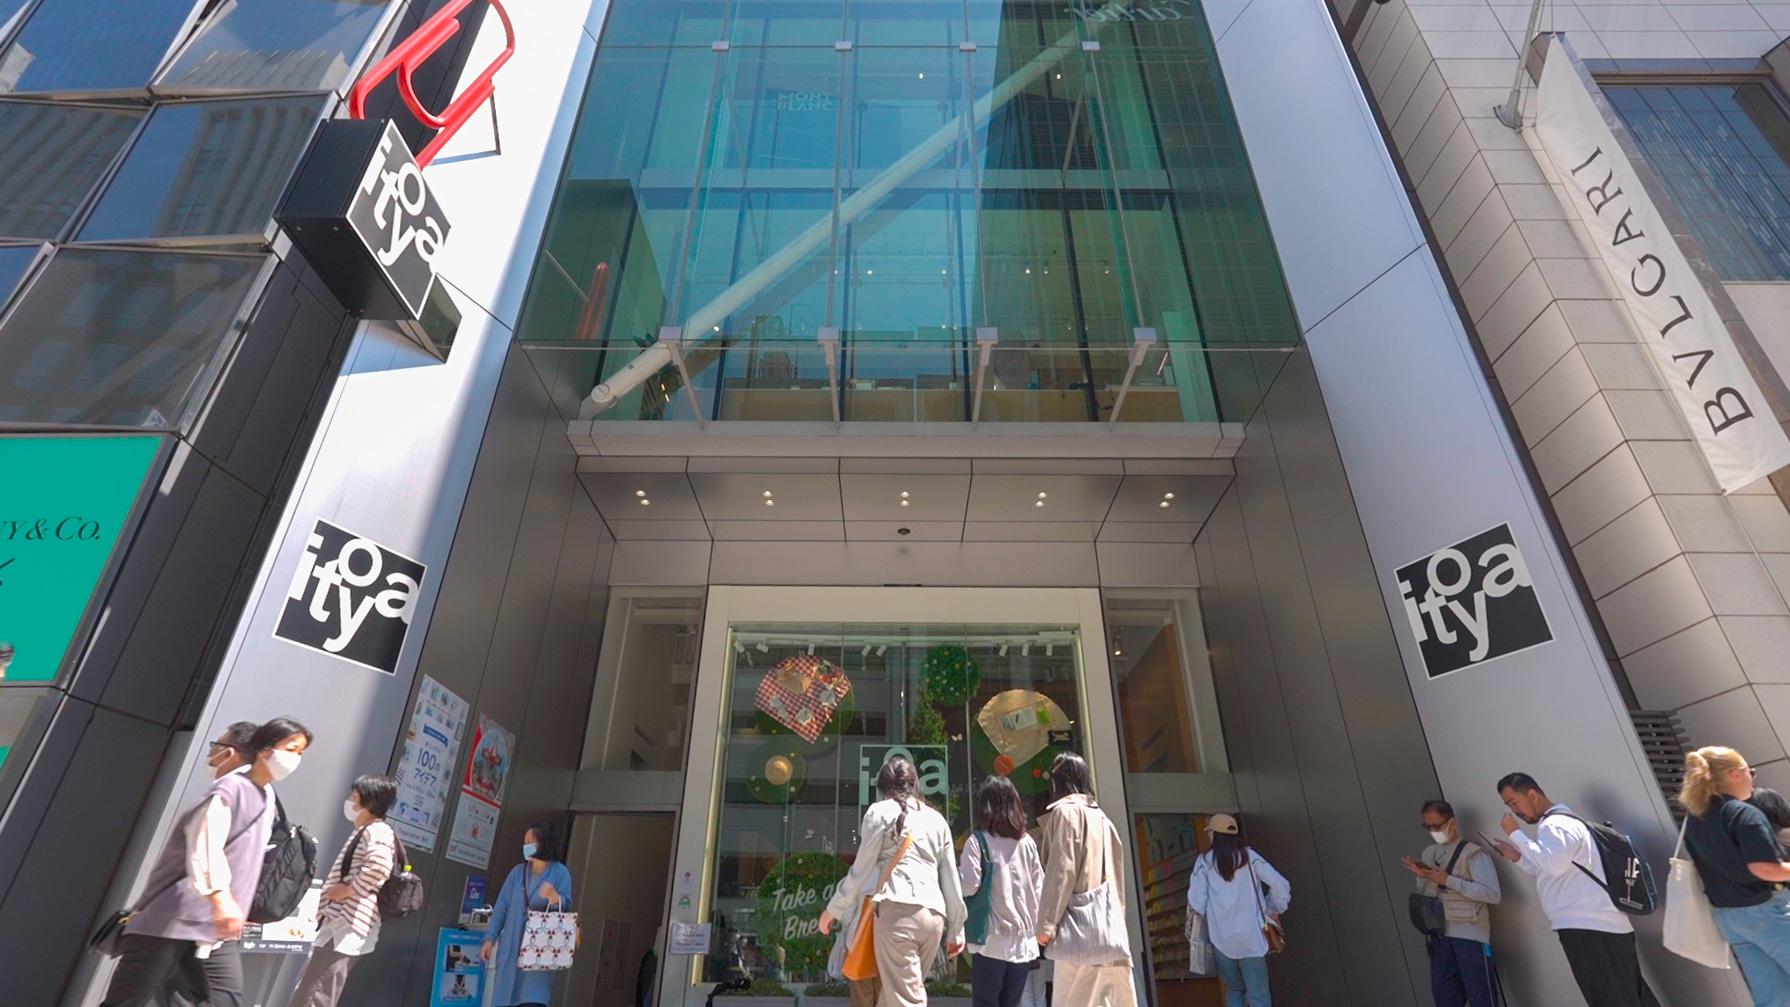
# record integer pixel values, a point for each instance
(1704, 372)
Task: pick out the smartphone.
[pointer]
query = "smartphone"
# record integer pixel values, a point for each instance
(1488, 841)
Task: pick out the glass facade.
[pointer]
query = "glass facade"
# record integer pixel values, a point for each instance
(910, 176)
(92, 46)
(1720, 150)
(51, 158)
(276, 45)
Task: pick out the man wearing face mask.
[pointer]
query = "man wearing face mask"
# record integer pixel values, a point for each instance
(1464, 879)
(222, 970)
(349, 911)
(204, 878)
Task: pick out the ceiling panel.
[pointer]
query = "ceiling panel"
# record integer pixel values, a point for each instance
(1065, 498)
(775, 496)
(777, 531)
(1176, 532)
(905, 497)
(1030, 531)
(618, 496)
(1142, 498)
(659, 531)
(917, 531)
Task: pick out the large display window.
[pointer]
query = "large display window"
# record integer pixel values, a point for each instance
(811, 713)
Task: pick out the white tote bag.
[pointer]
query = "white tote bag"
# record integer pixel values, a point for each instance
(1199, 944)
(1092, 930)
(549, 939)
(1690, 919)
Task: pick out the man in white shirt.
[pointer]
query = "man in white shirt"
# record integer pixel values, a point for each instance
(1598, 939)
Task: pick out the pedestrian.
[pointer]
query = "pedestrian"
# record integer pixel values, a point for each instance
(1079, 844)
(1742, 866)
(1227, 888)
(222, 969)
(231, 751)
(1777, 812)
(1002, 879)
(539, 883)
(204, 878)
(1463, 878)
(1599, 941)
(348, 913)
(920, 904)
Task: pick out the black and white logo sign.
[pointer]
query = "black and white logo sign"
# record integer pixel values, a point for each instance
(1472, 602)
(398, 218)
(351, 597)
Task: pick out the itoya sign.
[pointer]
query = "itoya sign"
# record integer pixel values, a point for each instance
(1704, 373)
(351, 597)
(1472, 602)
(366, 219)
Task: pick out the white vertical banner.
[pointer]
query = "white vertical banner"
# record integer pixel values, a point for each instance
(1703, 371)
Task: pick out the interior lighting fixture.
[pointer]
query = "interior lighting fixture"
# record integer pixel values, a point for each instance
(645, 502)
(767, 492)
(884, 649)
(1038, 504)
(764, 649)
(922, 76)
(739, 647)
(904, 503)
(904, 494)
(1025, 650)
(1118, 653)
(865, 652)
(769, 502)
(1003, 650)
(640, 493)
(1042, 494)
(1028, 272)
(811, 650)
(1163, 504)
(1050, 650)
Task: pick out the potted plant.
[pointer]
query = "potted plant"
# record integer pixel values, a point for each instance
(828, 994)
(760, 992)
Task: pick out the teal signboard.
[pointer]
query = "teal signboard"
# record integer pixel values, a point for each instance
(66, 501)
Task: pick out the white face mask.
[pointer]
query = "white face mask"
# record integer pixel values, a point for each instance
(1438, 835)
(281, 763)
(350, 810)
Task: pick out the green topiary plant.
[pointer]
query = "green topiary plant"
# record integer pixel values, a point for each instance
(789, 903)
(951, 675)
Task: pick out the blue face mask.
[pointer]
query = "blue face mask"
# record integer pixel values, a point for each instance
(528, 851)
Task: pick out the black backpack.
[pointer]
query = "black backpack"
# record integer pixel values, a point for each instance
(1427, 912)
(1631, 881)
(402, 893)
(286, 870)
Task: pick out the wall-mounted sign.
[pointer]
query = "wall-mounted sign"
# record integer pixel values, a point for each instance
(481, 794)
(366, 219)
(351, 597)
(1472, 602)
(426, 769)
(459, 974)
(1680, 326)
(65, 503)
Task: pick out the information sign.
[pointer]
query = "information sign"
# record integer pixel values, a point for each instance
(426, 769)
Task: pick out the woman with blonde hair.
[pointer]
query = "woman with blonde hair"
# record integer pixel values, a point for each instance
(1737, 855)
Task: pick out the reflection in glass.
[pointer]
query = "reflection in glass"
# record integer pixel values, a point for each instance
(277, 45)
(1167, 707)
(1167, 846)
(91, 46)
(640, 711)
(206, 169)
(118, 337)
(51, 157)
(14, 261)
(815, 710)
(23, 716)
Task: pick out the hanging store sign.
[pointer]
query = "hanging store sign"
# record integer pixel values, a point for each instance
(67, 500)
(351, 598)
(1692, 348)
(1472, 602)
(366, 219)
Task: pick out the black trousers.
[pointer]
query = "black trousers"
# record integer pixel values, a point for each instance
(151, 968)
(1605, 966)
(995, 983)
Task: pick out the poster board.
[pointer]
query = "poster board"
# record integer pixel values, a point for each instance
(426, 769)
(482, 786)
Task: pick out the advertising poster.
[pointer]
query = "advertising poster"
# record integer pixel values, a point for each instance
(67, 501)
(426, 770)
(459, 975)
(481, 794)
(472, 897)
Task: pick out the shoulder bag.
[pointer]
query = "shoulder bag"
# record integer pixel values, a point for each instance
(1199, 941)
(1690, 929)
(1277, 938)
(1427, 913)
(106, 939)
(402, 892)
(981, 904)
(549, 936)
(860, 961)
(1092, 930)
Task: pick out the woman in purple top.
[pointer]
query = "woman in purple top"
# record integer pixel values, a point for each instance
(203, 882)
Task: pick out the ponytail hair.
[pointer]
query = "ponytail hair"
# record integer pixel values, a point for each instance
(1703, 769)
(899, 781)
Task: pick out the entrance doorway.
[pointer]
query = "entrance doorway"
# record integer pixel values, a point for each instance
(623, 865)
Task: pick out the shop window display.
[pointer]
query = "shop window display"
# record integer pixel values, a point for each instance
(813, 713)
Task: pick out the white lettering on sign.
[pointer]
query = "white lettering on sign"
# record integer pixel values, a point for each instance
(403, 190)
(1680, 326)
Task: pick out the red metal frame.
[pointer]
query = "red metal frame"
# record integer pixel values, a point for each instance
(411, 53)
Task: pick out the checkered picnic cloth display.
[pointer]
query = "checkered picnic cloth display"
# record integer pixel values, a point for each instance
(802, 692)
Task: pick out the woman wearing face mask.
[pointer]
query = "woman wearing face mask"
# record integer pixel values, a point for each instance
(348, 916)
(539, 882)
(204, 879)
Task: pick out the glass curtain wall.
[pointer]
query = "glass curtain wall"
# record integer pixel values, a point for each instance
(905, 178)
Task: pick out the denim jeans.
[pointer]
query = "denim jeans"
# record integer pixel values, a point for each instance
(1760, 936)
(1245, 980)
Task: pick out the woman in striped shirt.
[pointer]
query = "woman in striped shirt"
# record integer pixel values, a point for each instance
(349, 915)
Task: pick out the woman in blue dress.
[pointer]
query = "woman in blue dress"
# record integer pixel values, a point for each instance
(539, 882)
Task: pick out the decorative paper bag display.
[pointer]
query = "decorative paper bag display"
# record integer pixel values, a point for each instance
(1019, 723)
(802, 692)
(548, 941)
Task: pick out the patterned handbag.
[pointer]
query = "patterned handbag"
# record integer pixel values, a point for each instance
(548, 940)
(801, 693)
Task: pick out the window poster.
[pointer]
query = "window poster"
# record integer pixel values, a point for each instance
(481, 794)
(426, 769)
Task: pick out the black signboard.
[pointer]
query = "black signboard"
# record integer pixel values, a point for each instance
(1472, 602)
(351, 597)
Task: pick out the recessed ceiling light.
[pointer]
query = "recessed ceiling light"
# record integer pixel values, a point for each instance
(1028, 272)
(769, 502)
(644, 502)
(1118, 653)
(640, 493)
(1168, 496)
(767, 492)
(1038, 504)
(1163, 504)
(922, 76)
(1042, 494)
(904, 494)
(904, 503)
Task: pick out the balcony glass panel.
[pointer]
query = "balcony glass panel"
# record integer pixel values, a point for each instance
(908, 192)
(277, 45)
(117, 337)
(92, 46)
(206, 171)
(51, 157)
(15, 260)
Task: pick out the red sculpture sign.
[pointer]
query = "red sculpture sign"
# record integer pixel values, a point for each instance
(411, 53)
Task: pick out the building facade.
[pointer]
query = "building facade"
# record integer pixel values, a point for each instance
(1223, 391)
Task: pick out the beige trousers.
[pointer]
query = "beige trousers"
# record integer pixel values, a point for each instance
(321, 982)
(907, 936)
(1092, 986)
